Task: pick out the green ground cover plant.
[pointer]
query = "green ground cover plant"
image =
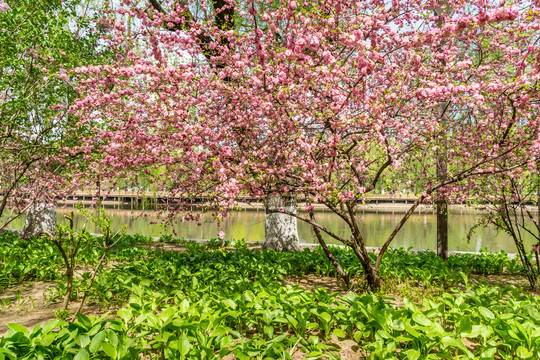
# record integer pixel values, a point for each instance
(209, 302)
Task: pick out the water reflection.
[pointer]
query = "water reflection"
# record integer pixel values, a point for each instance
(418, 232)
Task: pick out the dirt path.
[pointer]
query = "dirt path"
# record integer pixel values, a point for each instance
(27, 305)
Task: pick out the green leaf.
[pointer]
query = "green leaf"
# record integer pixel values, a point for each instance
(184, 346)
(109, 349)
(125, 314)
(82, 340)
(47, 340)
(51, 325)
(17, 328)
(184, 306)
(292, 321)
(450, 341)
(82, 355)
(113, 338)
(230, 303)
(407, 304)
(10, 354)
(97, 340)
(325, 317)
(269, 331)
(219, 331)
(413, 354)
(489, 353)
(465, 325)
(339, 333)
(523, 353)
(486, 313)
(421, 319)
(84, 320)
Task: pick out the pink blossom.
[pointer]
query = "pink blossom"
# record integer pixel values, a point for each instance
(4, 7)
(221, 234)
(299, 123)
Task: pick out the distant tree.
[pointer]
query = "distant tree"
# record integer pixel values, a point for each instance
(40, 41)
(322, 100)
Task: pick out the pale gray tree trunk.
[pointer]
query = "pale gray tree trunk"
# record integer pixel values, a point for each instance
(281, 232)
(40, 218)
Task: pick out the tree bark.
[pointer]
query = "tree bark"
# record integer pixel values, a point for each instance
(69, 288)
(41, 218)
(442, 229)
(329, 255)
(281, 232)
(372, 276)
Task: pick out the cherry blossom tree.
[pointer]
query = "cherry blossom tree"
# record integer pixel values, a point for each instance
(320, 100)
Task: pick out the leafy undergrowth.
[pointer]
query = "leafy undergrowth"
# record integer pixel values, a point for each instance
(210, 303)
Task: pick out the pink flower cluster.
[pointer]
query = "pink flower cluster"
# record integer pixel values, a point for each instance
(4, 7)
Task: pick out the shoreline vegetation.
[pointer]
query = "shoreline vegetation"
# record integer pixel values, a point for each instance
(175, 298)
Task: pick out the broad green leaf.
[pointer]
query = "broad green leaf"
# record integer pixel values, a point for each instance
(184, 306)
(113, 338)
(523, 353)
(97, 340)
(109, 349)
(84, 320)
(82, 340)
(17, 328)
(413, 354)
(486, 313)
(421, 319)
(219, 331)
(125, 314)
(325, 317)
(489, 353)
(51, 325)
(230, 303)
(465, 325)
(184, 345)
(82, 355)
(339, 333)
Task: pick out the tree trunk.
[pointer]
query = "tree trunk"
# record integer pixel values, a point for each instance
(372, 277)
(69, 288)
(442, 173)
(371, 271)
(40, 218)
(329, 255)
(281, 231)
(442, 229)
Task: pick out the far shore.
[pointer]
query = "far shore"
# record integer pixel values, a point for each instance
(383, 208)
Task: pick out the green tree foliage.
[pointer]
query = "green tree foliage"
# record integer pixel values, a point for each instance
(40, 41)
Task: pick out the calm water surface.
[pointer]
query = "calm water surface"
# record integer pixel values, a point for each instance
(418, 232)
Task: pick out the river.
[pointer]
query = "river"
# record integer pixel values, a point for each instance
(418, 233)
